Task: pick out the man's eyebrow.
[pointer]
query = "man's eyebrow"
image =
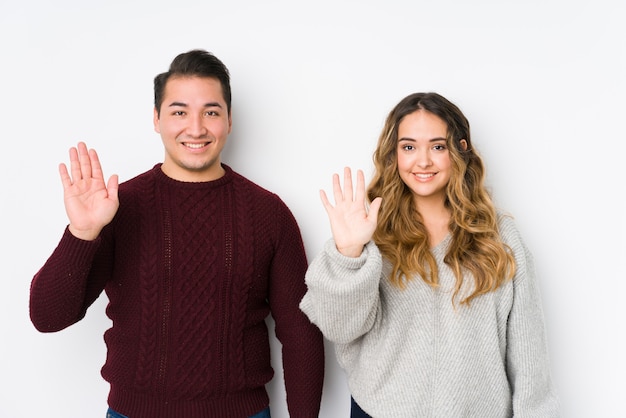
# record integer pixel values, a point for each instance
(209, 104)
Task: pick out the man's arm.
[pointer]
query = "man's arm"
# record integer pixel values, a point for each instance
(302, 342)
(68, 284)
(62, 289)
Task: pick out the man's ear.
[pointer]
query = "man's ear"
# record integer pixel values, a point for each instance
(155, 120)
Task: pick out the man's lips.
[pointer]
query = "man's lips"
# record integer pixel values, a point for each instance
(196, 145)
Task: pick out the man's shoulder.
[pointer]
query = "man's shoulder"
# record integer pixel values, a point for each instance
(261, 198)
(253, 187)
(139, 178)
(137, 185)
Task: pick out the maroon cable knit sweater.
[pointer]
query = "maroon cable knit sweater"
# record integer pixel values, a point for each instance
(191, 271)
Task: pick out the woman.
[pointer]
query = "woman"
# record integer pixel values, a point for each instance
(426, 289)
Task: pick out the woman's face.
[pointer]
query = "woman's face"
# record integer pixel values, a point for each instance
(423, 156)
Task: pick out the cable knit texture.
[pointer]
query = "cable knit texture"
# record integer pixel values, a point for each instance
(191, 270)
(411, 353)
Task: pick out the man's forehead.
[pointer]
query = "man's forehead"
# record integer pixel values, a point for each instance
(182, 89)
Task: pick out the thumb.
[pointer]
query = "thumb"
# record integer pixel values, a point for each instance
(113, 186)
(372, 214)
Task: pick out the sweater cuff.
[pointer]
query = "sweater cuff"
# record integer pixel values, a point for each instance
(351, 263)
(77, 248)
(338, 274)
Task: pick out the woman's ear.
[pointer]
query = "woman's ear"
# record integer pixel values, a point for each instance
(463, 144)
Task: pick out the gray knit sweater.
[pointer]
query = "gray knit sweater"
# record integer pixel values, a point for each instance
(412, 353)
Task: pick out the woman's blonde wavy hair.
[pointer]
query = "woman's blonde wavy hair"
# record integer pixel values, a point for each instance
(475, 246)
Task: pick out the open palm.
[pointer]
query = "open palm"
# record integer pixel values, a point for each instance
(351, 221)
(89, 203)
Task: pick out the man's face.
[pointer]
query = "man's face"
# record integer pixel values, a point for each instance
(194, 124)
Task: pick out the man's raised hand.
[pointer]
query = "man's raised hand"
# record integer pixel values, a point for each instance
(89, 203)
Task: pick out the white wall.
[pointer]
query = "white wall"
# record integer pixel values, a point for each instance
(541, 81)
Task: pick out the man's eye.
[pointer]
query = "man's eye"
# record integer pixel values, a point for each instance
(211, 113)
(178, 113)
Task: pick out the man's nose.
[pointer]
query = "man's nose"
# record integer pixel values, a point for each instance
(195, 127)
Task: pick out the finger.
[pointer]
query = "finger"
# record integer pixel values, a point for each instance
(337, 192)
(347, 184)
(85, 162)
(327, 205)
(360, 186)
(65, 177)
(96, 168)
(75, 165)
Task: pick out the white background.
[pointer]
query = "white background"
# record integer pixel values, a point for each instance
(542, 83)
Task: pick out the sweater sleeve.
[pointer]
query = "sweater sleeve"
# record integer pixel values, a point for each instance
(343, 293)
(528, 365)
(63, 289)
(302, 342)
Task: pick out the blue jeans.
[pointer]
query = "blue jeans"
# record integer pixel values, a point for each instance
(356, 411)
(263, 414)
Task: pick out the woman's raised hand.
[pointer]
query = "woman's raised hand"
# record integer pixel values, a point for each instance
(352, 222)
(89, 203)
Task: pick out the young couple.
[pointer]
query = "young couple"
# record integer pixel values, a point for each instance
(426, 289)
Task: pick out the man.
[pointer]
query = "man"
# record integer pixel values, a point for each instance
(193, 258)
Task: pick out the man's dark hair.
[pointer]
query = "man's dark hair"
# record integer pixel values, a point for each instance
(195, 63)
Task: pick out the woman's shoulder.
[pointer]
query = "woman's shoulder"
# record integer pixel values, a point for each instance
(507, 226)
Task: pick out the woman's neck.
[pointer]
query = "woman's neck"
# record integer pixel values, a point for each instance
(436, 218)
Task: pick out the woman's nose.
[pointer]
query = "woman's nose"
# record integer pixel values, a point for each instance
(423, 159)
